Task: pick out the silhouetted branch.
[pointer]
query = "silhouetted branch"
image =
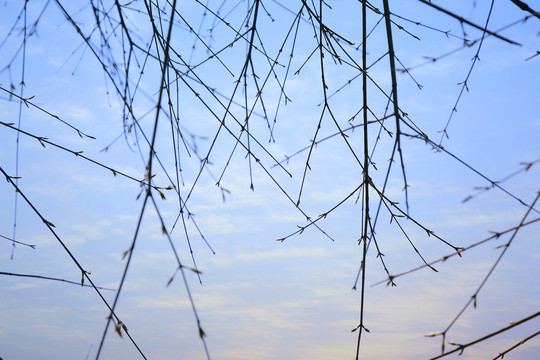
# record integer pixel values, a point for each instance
(526, 7)
(461, 347)
(473, 298)
(501, 355)
(53, 279)
(465, 21)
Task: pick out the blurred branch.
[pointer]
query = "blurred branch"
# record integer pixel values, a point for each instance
(481, 189)
(525, 7)
(495, 235)
(18, 242)
(493, 183)
(474, 296)
(84, 274)
(466, 44)
(53, 279)
(501, 355)
(27, 102)
(463, 20)
(461, 347)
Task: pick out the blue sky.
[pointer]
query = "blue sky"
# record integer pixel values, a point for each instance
(260, 298)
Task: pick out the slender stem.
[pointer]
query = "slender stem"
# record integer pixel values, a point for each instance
(463, 346)
(366, 181)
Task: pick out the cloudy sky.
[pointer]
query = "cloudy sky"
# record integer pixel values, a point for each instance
(258, 298)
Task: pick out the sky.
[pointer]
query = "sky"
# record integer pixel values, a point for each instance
(255, 297)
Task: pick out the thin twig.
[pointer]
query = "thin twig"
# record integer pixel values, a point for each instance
(461, 347)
